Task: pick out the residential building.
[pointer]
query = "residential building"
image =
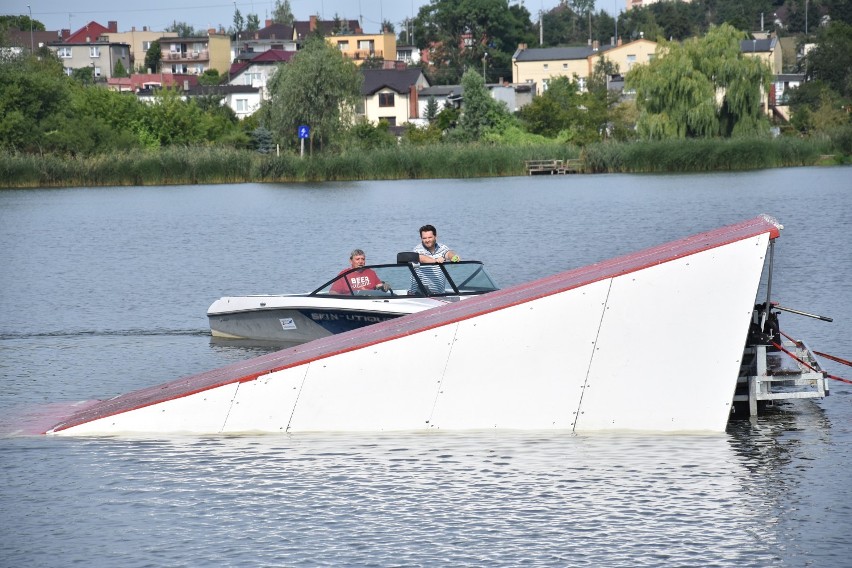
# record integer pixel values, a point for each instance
(409, 54)
(139, 41)
(273, 36)
(195, 55)
(767, 50)
(539, 66)
(100, 56)
(89, 33)
(391, 95)
(359, 46)
(626, 55)
(244, 100)
(302, 29)
(514, 95)
(151, 81)
(26, 40)
(257, 71)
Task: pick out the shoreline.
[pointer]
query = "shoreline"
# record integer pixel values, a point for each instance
(217, 165)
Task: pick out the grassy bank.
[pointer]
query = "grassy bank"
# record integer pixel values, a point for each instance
(224, 165)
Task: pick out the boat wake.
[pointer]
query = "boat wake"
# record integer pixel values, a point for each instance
(107, 333)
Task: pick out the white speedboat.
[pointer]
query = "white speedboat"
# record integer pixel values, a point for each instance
(335, 307)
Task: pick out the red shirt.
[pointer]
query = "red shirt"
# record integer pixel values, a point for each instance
(364, 279)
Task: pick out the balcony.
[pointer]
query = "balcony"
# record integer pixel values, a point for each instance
(202, 55)
(365, 53)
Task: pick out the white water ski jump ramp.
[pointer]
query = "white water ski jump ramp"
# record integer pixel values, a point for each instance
(649, 341)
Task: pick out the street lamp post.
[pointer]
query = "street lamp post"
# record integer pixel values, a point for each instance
(32, 41)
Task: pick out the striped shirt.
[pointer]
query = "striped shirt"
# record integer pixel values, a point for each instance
(431, 274)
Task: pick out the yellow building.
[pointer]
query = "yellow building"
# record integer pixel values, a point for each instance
(139, 42)
(539, 66)
(767, 50)
(195, 55)
(359, 47)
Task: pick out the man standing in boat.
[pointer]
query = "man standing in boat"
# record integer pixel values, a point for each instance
(433, 252)
(363, 279)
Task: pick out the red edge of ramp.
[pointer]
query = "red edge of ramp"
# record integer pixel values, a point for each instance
(436, 317)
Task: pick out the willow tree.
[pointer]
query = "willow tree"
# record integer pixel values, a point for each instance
(319, 88)
(703, 87)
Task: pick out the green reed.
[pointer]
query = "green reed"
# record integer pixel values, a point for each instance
(210, 165)
(697, 155)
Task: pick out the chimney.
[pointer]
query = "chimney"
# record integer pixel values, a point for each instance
(522, 46)
(144, 28)
(211, 31)
(268, 23)
(132, 28)
(412, 102)
(596, 45)
(112, 27)
(313, 23)
(65, 34)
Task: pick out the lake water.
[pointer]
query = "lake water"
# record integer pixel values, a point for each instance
(104, 291)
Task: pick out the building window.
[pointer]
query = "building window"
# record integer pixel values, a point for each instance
(565, 66)
(391, 120)
(64, 52)
(97, 71)
(544, 84)
(94, 51)
(253, 78)
(631, 61)
(69, 71)
(146, 45)
(386, 99)
(343, 45)
(366, 45)
(242, 105)
(546, 66)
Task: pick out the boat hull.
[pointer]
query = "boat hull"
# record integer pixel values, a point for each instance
(651, 341)
(289, 327)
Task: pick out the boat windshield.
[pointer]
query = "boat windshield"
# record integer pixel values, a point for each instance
(450, 279)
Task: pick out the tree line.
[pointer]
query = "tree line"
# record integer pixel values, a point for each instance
(676, 96)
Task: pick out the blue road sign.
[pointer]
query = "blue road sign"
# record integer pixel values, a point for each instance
(304, 132)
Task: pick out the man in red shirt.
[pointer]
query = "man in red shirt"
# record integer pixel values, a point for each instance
(363, 279)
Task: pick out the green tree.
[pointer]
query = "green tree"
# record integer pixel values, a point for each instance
(563, 111)
(431, 110)
(153, 57)
(239, 23)
(461, 32)
(210, 77)
(85, 75)
(831, 59)
(33, 92)
(480, 112)
(252, 23)
(119, 70)
(282, 13)
(319, 87)
(676, 92)
(171, 121)
(182, 29)
(21, 22)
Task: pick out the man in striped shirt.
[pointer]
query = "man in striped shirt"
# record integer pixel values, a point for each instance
(433, 252)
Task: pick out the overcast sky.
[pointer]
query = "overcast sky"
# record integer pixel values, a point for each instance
(203, 14)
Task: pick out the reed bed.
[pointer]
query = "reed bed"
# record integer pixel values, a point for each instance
(211, 165)
(699, 155)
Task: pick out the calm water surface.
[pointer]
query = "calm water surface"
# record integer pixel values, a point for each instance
(104, 290)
